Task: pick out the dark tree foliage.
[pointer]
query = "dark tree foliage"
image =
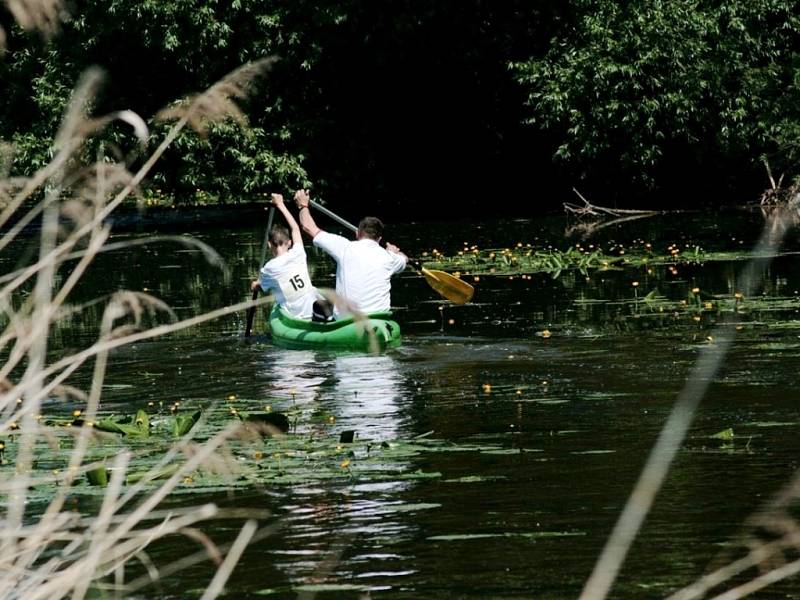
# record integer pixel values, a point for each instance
(391, 103)
(653, 92)
(156, 52)
(410, 109)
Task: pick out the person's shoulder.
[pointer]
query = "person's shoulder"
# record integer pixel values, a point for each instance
(369, 244)
(269, 268)
(276, 264)
(327, 235)
(396, 258)
(271, 263)
(396, 261)
(330, 241)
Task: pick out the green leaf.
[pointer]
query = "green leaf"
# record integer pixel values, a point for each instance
(98, 476)
(140, 427)
(152, 474)
(142, 423)
(184, 423)
(725, 434)
(109, 425)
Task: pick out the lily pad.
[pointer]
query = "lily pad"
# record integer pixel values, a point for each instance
(184, 423)
(725, 434)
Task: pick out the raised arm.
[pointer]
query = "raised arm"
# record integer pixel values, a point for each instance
(297, 237)
(302, 198)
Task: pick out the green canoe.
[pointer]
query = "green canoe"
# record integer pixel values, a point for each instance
(343, 334)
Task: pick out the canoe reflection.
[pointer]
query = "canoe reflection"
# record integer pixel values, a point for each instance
(296, 375)
(345, 525)
(362, 392)
(367, 395)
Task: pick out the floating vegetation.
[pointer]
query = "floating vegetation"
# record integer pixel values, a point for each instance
(501, 451)
(544, 401)
(329, 587)
(695, 307)
(525, 259)
(725, 441)
(725, 434)
(645, 290)
(261, 453)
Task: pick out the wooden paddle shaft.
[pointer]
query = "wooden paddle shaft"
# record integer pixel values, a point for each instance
(333, 216)
(251, 312)
(346, 224)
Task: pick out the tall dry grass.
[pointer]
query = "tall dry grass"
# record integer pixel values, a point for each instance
(55, 552)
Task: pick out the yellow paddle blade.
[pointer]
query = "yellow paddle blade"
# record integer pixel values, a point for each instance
(449, 286)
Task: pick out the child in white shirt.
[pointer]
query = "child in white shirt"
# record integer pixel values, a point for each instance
(286, 275)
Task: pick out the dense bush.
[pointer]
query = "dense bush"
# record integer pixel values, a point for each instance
(634, 87)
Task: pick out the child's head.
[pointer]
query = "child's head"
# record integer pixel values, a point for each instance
(279, 239)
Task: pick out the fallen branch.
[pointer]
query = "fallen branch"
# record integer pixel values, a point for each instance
(590, 210)
(588, 228)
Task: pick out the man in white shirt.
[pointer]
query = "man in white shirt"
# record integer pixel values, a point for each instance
(363, 268)
(286, 275)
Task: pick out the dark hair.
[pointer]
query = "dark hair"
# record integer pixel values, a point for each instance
(371, 227)
(279, 235)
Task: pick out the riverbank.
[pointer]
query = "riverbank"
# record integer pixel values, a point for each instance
(188, 217)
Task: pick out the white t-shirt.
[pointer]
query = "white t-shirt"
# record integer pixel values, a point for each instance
(287, 277)
(363, 270)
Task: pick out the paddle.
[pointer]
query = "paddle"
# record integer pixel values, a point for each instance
(251, 312)
(447, 285)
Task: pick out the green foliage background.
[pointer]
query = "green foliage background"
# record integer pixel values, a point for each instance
(396, 103)
(653, 86)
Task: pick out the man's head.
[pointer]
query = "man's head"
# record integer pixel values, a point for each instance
(370, 228)
(279, 239)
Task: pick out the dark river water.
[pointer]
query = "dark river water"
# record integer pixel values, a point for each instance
(570, 416)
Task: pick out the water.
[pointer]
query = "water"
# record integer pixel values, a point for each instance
(560, 426)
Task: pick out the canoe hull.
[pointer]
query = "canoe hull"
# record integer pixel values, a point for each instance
(377, 331)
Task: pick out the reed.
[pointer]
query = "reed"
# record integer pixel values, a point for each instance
(56, 552)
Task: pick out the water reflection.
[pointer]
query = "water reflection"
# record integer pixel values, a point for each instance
(367, 395)
(293, 375)
(344, 527)
(362, 392)
(340, 540)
